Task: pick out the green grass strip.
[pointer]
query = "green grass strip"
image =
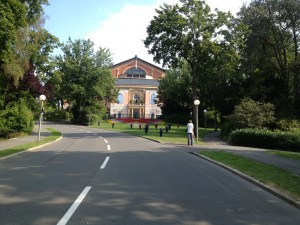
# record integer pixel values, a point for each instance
(280, 179)
(53, 136)
(291, 155)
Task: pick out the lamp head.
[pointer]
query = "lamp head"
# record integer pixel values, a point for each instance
(42, 97)
(196, 102)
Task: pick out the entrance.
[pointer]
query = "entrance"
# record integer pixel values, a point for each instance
(136, 114)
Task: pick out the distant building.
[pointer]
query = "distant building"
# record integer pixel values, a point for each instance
(137, 82)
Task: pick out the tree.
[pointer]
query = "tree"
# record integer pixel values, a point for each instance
(175, 92)
(24, 49)
(86, 78)
(204, 39)
(271, 58)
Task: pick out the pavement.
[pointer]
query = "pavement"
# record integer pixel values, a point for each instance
(212, 142)
(33, 137)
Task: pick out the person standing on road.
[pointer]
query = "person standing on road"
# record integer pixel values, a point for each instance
(190, 132)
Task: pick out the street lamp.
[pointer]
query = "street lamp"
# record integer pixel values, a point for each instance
(205, 111)
(196, 103)
(42, 99)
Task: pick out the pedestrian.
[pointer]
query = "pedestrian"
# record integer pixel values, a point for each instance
(190, 132)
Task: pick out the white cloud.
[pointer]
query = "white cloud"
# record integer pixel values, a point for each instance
(123, 33)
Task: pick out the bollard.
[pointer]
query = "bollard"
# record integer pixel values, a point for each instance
(160, 132)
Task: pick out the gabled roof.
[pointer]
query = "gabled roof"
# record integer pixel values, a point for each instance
(140, 82)
(137, 58)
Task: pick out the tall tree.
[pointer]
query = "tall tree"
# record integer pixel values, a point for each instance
(86, 78)
(204, 39)
(271, 58)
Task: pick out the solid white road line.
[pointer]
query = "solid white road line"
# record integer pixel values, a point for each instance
(104, 163)
(75, 205)
(108, 147)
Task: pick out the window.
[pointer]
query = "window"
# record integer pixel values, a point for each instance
(120, 98)
(136, 98)
(136, 73)
(153, 98)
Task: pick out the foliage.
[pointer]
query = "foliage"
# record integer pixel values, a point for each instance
(86, 80)
(251, 114)
(174, 92)
(292, 125)
(207, 41)
(57, 115)
(263, 138)
(16, 118)
(24, 50)
(271, 57)
(177, 119)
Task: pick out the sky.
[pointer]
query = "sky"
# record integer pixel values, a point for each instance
(118, 25)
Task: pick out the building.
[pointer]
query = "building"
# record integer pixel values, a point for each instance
(137, 82)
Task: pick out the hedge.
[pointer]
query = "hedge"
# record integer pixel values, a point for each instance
(263, 138)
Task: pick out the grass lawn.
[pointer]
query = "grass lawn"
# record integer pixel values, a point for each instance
(53, 136)
(291, 155)
(280, 179)
(175, 135)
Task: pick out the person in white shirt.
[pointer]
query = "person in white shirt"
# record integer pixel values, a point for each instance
(190, 132)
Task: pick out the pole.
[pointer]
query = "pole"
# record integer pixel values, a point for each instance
(40, 123)
(197, 123)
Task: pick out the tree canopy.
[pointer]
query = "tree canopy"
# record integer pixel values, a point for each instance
(208, 41)
(86, 78)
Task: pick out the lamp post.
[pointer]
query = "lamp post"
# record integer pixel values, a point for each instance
(42, 99)
(205, 111)
(196, 103)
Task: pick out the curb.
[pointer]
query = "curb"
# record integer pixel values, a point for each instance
(31, 149)
(272, 190)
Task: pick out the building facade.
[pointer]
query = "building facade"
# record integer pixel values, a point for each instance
(137, 82)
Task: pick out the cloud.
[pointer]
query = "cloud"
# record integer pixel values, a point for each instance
(123, 33)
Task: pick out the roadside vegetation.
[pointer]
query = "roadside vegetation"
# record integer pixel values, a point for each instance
(52, 137)
(272, 176)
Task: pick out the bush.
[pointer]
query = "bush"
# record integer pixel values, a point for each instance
(288, 125)
(57, 115)
(263, 138)
(17, 118)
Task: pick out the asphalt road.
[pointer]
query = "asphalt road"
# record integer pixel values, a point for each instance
(100, 177)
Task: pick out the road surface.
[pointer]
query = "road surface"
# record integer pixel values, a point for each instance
(101, 177)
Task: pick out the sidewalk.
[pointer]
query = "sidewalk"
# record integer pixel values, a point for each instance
(33, 137)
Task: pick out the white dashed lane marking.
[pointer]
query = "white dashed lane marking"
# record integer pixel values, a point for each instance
(75, 205)
(104, 163)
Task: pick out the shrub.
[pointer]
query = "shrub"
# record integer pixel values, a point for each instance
(249, 114)
(263, 138)
(57, 115)
(17, 118)
(288, 125)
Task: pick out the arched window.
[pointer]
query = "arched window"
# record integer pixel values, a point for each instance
(120, 98)
(136, 73)
(153, 98)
